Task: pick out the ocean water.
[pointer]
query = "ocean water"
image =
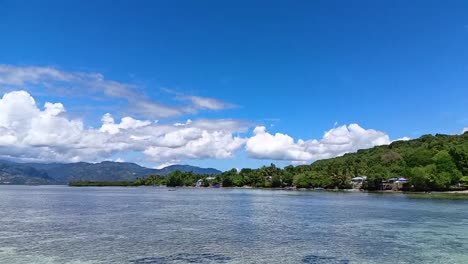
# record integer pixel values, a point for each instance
(59, 224)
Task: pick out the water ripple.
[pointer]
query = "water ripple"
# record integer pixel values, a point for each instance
(184, 258)
(314, 259)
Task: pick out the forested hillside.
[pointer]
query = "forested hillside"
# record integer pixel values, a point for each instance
(429, 162)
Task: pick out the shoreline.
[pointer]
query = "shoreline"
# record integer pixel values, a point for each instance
(438, 195)
(461, 192)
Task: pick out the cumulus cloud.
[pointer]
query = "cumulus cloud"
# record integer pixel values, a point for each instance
(264, 145)
(465, 129)
(109, 125)
(200, 145)
(335, 142)
(30, 133)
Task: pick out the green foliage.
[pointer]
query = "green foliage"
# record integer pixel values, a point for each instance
(420, 178)
(276, 181)
(302, 180)
(464, 180)
(205, 182)
(420, 156)
(312, 179)
(153, 180)
(175, 179)
(429, 163)
(238, 181)
(460, 157)
(227, 181)
(373, 182)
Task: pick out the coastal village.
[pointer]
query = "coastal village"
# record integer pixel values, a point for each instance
(392, 184)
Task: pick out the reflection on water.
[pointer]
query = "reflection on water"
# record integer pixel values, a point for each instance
(59, 224)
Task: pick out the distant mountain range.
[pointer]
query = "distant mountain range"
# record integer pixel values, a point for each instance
(63, 173)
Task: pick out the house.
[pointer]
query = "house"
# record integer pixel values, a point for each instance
(395, 183)
(357, 181)
(398, 184)
(199, 183)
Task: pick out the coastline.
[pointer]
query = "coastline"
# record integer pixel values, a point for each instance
(461, 193)
(439, 195)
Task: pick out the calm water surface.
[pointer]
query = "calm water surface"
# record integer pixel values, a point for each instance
(59, 224)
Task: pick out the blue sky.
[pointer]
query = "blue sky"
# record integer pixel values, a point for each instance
(298, 68)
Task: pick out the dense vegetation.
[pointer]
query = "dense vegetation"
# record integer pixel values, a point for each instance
(429, 163)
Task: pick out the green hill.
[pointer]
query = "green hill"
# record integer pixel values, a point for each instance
(429, 163)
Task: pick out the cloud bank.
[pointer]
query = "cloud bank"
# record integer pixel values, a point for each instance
(29, 133)
(32, 133)
(335, 142)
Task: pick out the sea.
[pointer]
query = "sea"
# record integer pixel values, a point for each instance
(142, 225)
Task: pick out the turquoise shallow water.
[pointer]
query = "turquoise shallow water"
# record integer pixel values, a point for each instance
(59, 224)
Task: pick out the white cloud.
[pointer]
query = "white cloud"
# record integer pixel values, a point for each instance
(178, 124)
(335, 142)
(465, 129)
(200, 144)
(166, 164)
(207, 103)
(109, 125)
(32, 134)
(402, 139)
(264, 145)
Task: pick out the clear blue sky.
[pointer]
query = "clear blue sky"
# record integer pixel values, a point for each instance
(295, 67)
